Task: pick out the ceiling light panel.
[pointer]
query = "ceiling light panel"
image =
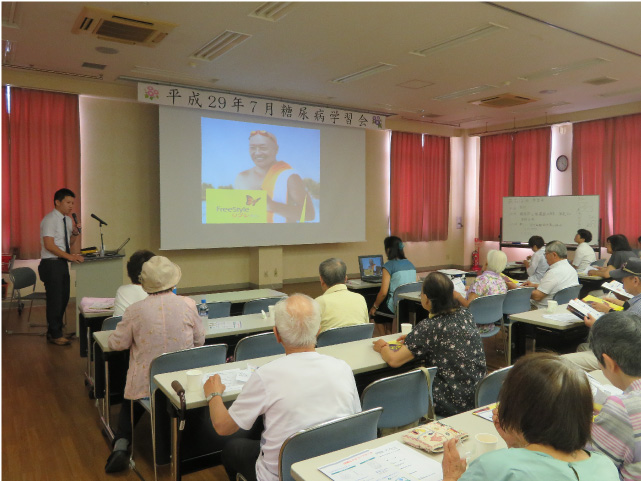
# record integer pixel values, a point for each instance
(467, 37)
(415, 84)
(220, 45)
(366, 72)
(464, 93)
(554, 71)
(272, 11)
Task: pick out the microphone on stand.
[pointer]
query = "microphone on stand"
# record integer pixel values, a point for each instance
(98, 219)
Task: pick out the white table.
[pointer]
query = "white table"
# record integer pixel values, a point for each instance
(238, 297)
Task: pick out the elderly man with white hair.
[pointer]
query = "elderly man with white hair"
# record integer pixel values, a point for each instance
(296, 391)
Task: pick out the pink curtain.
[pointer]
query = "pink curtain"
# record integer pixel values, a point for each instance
(420, 186)
(44, 156)
(6, 185)
(495, 182)
(532, 162)
(627, 176)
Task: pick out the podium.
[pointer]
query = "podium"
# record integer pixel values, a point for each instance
(97, 277)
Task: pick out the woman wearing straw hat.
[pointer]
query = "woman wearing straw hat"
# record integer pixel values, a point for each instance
(161, 323)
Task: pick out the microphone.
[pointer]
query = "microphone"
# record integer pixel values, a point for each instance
(75, 219)
(98, 219)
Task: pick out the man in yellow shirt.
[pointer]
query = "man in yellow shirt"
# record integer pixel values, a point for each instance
(339, 307)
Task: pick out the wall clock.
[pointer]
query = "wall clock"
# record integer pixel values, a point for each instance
(562, 163)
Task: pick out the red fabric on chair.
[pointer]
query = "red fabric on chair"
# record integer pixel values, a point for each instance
(44, 156)
(495, 182)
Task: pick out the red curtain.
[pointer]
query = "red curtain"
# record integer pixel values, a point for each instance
(495, 182)
(44, 156)
(420, 184)
(6, 185)
(532, 162)
(627, 176)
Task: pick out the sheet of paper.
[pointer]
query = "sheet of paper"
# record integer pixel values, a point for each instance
(564, 317)
(392, 461)
(486, 412)
(459, 286)
(233, 379)
(600, 392)
(224, 325)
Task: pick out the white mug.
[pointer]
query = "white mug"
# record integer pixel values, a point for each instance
(406, 327)
(552, 306)
(271, 313)
(485, 443)
(194, 380)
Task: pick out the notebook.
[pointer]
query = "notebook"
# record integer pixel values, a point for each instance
(115, 253)
(371, 268)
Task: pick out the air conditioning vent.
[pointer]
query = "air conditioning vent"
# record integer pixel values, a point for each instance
(504, 100)
(117, 27)
(601, 81)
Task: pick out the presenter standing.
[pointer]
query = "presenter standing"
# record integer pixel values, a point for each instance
(58, 242)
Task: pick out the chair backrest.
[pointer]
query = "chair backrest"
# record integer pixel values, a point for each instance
(187, 359)
(404, 398)
(219, 309)
(339, 335)
(327, 437)
(258, 345)
(409, 287)
(487, 309)
(488, 388)
(257, 305)
(566, 295)
(22, 277)
(517, 300)
(109, 324)
(598, 263)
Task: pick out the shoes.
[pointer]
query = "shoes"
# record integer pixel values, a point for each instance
(117, 461)
(59, 341)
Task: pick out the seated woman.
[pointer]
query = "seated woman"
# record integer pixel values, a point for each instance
(545, 417)
(131, 293)
(619, 247)
(490, 282)
(448, 340)
(163, 322)
(396, 272)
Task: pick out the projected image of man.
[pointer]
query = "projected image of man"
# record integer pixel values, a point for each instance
(287, 196)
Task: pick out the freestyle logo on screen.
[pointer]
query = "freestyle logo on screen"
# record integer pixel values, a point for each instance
(229, 206)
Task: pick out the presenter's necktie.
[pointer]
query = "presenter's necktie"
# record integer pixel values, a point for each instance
(67, 250)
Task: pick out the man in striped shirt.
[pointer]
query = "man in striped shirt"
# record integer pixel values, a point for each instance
(615, 340)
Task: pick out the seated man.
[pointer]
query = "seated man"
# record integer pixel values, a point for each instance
(559, 276)
(616, 432)
(338, 306)
(630, 276)
(296, 391)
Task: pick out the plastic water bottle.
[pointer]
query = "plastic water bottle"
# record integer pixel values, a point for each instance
(203, 309)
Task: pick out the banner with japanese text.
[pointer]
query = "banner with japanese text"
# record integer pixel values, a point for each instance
(249, 105)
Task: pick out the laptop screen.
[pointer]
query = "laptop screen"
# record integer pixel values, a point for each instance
(370, 266)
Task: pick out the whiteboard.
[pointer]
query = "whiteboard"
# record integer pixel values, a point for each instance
(553, 218)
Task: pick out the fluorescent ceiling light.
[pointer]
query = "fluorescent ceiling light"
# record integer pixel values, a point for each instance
(272, 11)
(220, 45)
(551, 72)
(464, 93)
(540, 106)
(366, 72)
(621, 92)
(470, 36)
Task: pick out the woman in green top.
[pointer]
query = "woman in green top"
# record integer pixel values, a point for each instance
(545, 417)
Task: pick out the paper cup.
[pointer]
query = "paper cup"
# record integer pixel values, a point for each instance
(194, 380)
(406, 327)
(485, 442)
(552, 306)
(271, 313)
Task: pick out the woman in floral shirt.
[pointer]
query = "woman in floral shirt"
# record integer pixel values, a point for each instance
(448, 340)
(490, 282)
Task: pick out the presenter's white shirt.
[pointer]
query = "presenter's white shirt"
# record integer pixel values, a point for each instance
(341, 307)
(52, 226)
(559, 276)
(293, 392)
(583, 257)
(127, 295)
(538, 266)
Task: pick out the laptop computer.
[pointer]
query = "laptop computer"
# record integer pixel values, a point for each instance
(371, 268)
(115, 253)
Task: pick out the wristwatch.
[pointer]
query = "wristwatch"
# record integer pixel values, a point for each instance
(213, 395)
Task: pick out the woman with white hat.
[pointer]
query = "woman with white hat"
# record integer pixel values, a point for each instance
(161, 323)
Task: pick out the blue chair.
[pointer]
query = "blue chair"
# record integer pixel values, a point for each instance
(176, 361)
(339, 335)
(403, 288)
(327, 437)
(258, 345)
(516, 301)
(257, 305)
(110, 323)
(405, 398)
(566, 295)
(486, 311)
(23, 278)
(218, 309)
(488, 388)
